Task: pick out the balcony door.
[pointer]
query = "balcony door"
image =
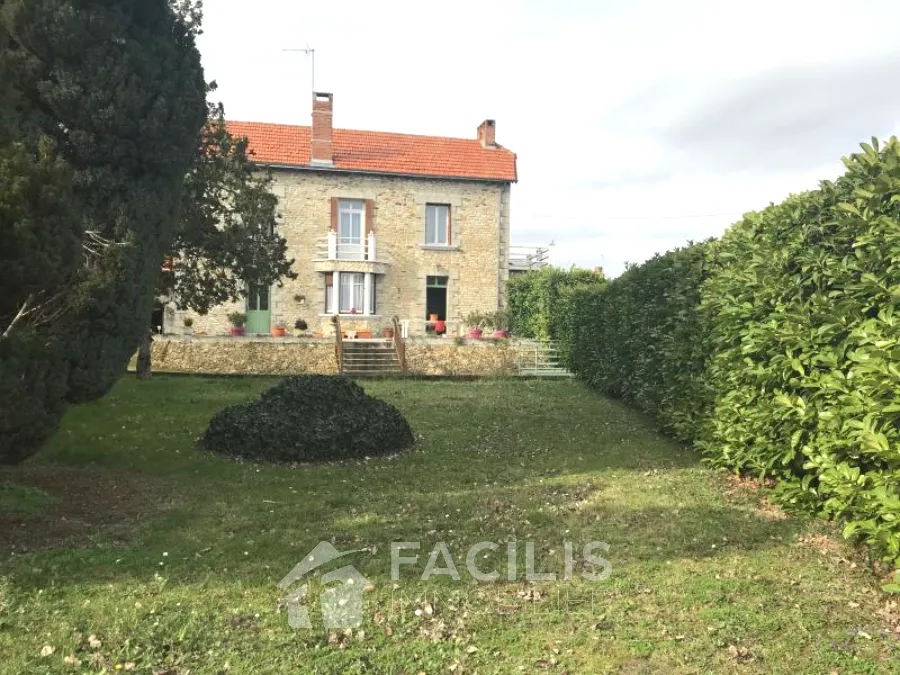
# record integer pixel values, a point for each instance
(351, 229)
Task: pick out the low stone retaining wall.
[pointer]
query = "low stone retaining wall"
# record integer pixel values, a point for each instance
(444, 356)
(243, 356)
(292, 356)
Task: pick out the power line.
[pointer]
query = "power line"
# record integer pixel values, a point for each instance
(593, 218)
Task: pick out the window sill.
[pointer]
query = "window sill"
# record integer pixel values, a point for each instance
(352, 316)
(438, 247)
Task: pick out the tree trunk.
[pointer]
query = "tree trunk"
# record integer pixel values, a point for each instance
(144, 360)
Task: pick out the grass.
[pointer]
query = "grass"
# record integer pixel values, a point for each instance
(22, 499)
(172, 563)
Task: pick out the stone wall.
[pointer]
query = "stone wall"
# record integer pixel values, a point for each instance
(476, 262)
(244, 356)
(292, 356)
(443, 356)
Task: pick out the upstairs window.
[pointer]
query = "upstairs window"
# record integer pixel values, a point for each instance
(437, 225)
(351, 216)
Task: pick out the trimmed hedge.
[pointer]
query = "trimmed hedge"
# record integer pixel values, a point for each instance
(308, 418)
(538, 300)
(777, 348)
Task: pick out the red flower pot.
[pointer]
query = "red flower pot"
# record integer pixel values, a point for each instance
(500, 334)
(475, 333)
(279, 332)
(237, 331)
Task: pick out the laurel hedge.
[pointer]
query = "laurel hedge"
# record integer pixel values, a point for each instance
(538, 300)
(775, 349)
(308, 418)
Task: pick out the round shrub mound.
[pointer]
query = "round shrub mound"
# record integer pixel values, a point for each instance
(308, 418)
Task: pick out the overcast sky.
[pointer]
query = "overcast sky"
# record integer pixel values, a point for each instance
(638, 125)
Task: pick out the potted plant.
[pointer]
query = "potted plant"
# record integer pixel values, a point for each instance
(387, 332)
(364, 334)
(300, 327)
(477, 322)
(188, 326)
(238, 322)
(501, 321)
(279, 329)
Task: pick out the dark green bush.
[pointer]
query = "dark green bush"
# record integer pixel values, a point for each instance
(639, 338)
(308, 418)
(777, 348)
(537, 300)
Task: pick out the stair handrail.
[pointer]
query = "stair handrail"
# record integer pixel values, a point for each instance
(338, 343)
(399, 344)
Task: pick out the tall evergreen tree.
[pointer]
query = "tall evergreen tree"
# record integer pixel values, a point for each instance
(101, 102)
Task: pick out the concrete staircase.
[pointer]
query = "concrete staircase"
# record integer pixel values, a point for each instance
(369, 358)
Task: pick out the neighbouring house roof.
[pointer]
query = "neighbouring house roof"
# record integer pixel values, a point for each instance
(380, 152)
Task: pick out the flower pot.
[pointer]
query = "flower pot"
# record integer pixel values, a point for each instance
(500, 334)
(279, 332)
(440, 327)
(475, 333)
(387, 332)
(364, 334)
(237, 331)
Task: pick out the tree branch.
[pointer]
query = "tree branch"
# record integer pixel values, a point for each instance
(23, 312)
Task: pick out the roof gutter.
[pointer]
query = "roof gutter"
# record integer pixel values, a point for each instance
(390, 174)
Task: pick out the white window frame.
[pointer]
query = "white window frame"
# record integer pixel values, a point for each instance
(352, 288)
(431, 214)
(350, 246)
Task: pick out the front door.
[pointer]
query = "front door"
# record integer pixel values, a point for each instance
(258, 314)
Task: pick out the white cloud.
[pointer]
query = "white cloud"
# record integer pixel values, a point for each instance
(588, 94)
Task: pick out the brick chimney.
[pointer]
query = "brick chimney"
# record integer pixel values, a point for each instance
(487, 131)
(321, 151)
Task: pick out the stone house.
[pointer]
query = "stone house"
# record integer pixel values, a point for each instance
(381, 225)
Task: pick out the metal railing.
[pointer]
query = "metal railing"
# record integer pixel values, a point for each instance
(368, 248)
(527, 258)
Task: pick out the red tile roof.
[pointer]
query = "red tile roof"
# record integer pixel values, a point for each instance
(380, 152)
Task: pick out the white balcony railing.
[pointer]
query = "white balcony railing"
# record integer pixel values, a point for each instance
(367, 248)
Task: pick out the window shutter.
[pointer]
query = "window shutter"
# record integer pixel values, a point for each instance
(335, 213)
(449, 225)
(370, 216)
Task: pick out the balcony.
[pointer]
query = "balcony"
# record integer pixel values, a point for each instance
(528, 258)
(366, 255)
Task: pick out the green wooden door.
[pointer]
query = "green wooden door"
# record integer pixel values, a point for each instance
(258, 314)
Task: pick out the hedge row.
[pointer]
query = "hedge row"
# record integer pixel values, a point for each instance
(538, 300)
(777, 348)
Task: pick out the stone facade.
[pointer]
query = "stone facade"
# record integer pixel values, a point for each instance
(475, 263)
(294, 356)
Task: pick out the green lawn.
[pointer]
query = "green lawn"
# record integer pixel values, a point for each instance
(132, 551)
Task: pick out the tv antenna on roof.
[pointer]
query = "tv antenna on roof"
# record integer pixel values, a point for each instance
(309, 51)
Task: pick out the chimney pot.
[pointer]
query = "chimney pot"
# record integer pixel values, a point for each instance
(487, 134)
(321, 140)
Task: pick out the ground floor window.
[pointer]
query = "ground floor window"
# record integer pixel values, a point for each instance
(355, 293)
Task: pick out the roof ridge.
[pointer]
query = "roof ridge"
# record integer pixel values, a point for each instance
(365, 131)
(382, 151)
